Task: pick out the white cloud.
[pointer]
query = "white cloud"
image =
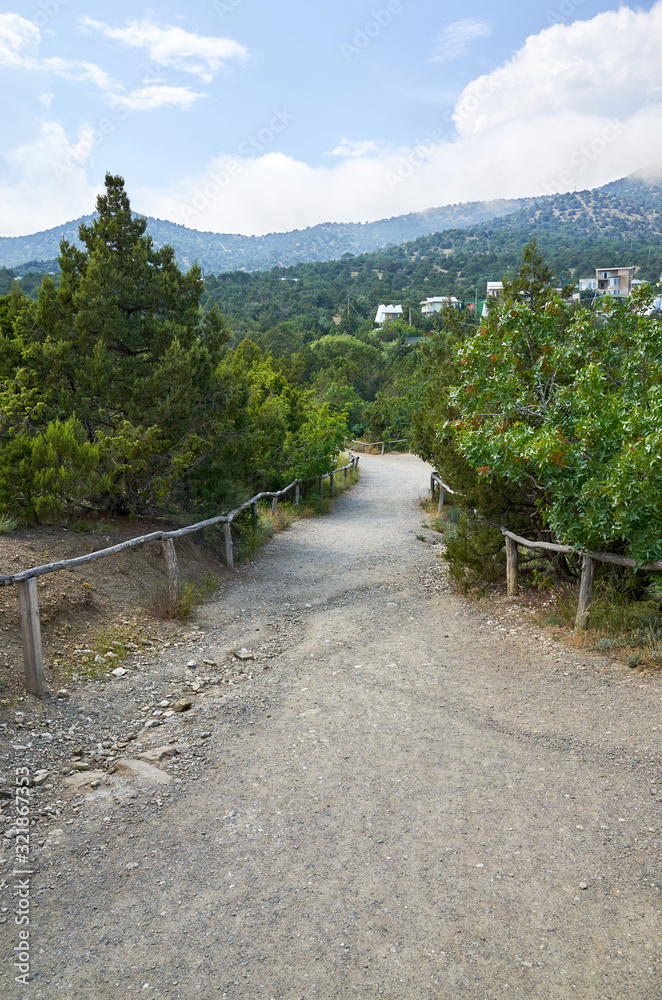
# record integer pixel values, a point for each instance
(609, 64)
(82, 72)
(348, 148)
(578, 106)
(171, 46)
(19, 40)
(151, 97)
(19, 44)
(17, 35)
(45, 182)
(456, 38)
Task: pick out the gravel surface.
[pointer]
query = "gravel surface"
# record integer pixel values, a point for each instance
(378, 790)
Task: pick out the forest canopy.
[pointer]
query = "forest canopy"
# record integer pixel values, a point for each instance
(119, 394)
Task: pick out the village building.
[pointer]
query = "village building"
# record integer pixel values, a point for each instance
(386, 314)
(435, 304)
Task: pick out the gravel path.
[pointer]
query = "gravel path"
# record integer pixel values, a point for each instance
(400, 798)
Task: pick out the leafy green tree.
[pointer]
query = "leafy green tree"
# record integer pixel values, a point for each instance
(568, 406)
(120, 347)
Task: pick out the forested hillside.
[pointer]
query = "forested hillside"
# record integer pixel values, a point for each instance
(228, 252)
(586, 225)
(576, 233)
(129, 385)
(616, 225)
(119, 394)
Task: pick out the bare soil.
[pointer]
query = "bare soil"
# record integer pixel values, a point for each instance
(119, 594)
(389, 792)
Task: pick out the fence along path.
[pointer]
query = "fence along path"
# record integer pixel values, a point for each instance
(376, 444)
(588, 562)
(26, 580)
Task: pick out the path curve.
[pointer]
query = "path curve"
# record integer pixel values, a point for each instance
(407, 804)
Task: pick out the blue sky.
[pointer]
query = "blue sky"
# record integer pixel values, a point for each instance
(253, 116)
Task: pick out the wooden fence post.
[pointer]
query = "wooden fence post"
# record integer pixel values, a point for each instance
(229, 555)
(511, 566)
(254, 517)
(433, 486)
(442, 497)
(345, 473)
(33, 660)
(297, 496)
(333, 492)
(321, 487)
(585, 594)
(172, 569)
(274, 505)
(383, 446)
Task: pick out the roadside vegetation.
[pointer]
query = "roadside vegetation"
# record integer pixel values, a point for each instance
(129, 388)
(547, 421)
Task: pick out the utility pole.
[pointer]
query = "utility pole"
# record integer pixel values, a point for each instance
(348, 303)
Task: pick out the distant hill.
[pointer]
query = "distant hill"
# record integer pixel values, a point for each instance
(218, 252)
(618, 225)
(454, 252)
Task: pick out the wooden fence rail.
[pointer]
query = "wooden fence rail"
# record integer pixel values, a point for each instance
(443, 490)
(589, 559)
(26, 580)
(376, 444)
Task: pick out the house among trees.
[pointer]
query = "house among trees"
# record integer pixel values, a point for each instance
(617, 281)
(436, 303)
(386, 314)
(494, 289)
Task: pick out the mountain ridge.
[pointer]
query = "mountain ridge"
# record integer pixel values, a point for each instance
(230, 251)
(630, 207)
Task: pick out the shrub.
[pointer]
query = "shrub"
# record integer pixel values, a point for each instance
(49, 476)
(475, 553)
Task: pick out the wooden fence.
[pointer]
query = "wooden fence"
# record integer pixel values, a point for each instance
(377, 444)
(589, 559)
(26, 580)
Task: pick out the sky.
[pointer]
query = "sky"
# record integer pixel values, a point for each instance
(249, 116)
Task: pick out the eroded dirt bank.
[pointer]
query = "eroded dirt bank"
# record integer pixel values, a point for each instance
(391, 799)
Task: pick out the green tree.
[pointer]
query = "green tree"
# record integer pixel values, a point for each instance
(567, 405)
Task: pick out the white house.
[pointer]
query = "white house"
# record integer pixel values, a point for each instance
(386, 314)
(435, 304)
(494, 289)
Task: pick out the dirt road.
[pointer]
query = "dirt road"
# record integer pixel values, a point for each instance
(409, 803)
